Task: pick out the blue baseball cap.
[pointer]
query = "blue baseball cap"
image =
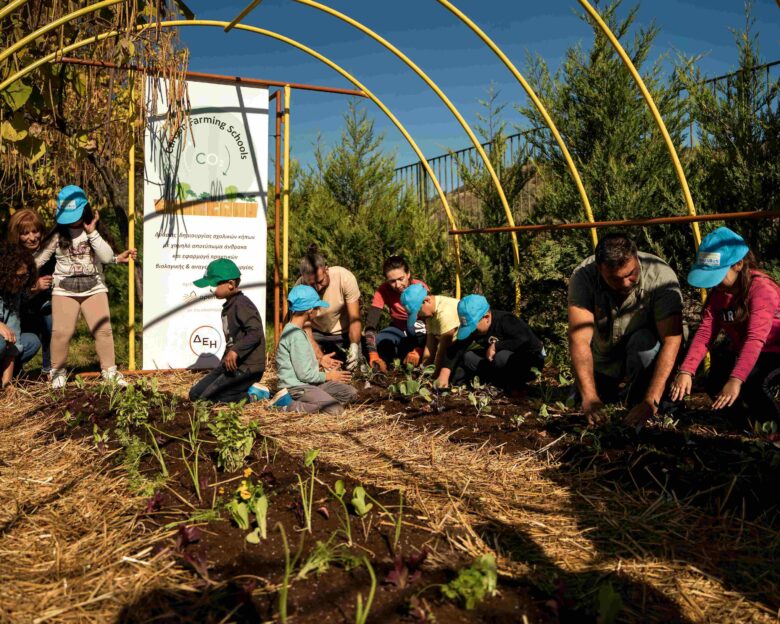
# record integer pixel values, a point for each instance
(717, 253)
(302, 298)
(471, 309)
(412, 299)
(71, 202)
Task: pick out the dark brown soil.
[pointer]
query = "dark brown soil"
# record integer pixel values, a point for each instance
(233, 573)
(714, 461)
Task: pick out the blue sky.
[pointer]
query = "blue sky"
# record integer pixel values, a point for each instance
(453, 56)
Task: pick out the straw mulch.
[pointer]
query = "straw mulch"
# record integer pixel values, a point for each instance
(69, 537)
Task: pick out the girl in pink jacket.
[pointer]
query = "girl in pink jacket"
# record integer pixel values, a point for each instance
(745, 304)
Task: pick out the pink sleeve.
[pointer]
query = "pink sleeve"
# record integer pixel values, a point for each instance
(763, 305)
(701, 341)
(379, 300)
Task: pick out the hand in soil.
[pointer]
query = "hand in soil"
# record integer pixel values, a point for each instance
(594, 412)
(681, 386)
(639, 415)
(728, 394)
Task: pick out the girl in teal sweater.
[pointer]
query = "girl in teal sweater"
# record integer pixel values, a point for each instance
(303, 386)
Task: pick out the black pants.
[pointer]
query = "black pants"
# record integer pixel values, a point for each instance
(758, 390)
(222, 386)
(509, 370)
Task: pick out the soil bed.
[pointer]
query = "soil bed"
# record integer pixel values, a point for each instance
(240, 580)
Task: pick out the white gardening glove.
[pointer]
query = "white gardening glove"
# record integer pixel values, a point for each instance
(353, 356)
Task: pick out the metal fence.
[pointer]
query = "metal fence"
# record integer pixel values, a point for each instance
(448, 168)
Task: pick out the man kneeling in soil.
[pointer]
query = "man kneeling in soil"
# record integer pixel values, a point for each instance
(625, 328)
(493, 345)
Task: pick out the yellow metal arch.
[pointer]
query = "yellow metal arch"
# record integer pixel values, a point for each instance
(537, 102)
(653, 109)
(273, 35)
(435, 88)
(10, 7)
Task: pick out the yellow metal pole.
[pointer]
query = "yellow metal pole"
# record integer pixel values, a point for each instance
(286, 201)
(242, 15)
(131, 232)
(437, 90)
(55, 24)
(539, 105)
(11, 6)
(653, 109)
(273, 35)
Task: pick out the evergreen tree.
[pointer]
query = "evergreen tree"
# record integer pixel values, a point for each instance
(611, 135)
(738, 154)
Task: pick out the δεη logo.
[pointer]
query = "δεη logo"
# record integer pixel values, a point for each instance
(205, 340)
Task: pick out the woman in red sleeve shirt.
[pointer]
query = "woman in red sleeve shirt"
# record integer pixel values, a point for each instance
(745, 304)
(393, 342)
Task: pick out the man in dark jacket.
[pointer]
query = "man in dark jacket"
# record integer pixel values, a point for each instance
(243, 363)
(493, 345)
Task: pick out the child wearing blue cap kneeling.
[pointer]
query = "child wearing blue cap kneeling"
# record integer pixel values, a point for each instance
(493, 345)
(303, 386)
(745, 304)
(243, 363)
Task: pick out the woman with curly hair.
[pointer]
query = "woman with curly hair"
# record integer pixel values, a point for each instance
(79, 285)
(17, 272)
(26, 230)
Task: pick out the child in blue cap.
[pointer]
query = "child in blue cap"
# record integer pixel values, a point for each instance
(303, 386)
(440, 314)
(79, 244)
(745, 304)
(235, 378)
(493, 345)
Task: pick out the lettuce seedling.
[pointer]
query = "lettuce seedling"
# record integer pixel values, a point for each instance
(406, 570)
(359, 503)
(474, 583)
(259, 507)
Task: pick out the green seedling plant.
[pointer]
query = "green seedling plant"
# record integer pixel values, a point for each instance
(412, 387)
(307, 488)
(362, 610)
(339, 491)
(234, 440)
(323, 555)
(474, 583)
(359, 503)
(249, 498)
(289, 566)
(396, 518)
(80, 382)
(192, 468)
(155, 449)
(101, 438)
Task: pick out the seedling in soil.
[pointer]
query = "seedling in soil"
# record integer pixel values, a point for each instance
(192, 468)
(100, 437)
(518, 420)
(339, 491)
(397, 519)
(289, 564)
(324, 555)
(361, 610)
(411, 387)
(609, 604)
(406, 570)
(249, 497)
(307, 488)
(359, 503)
(474, 583)
(234, 440)
(155, 449)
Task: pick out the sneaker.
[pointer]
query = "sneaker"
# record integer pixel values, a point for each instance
(112, 375)
(258, 392)
(58, 378)
(281, 399)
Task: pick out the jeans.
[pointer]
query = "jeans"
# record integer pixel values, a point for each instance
(222, 386)
(509, 370)
(641, 351)
(23, 351)
(393, 343)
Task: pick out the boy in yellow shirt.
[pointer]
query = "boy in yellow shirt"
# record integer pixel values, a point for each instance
(440, 314)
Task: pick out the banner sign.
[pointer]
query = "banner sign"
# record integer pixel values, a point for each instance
(204, 198)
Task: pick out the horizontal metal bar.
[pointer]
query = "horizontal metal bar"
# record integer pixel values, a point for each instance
(218, 78)
(757, 214)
